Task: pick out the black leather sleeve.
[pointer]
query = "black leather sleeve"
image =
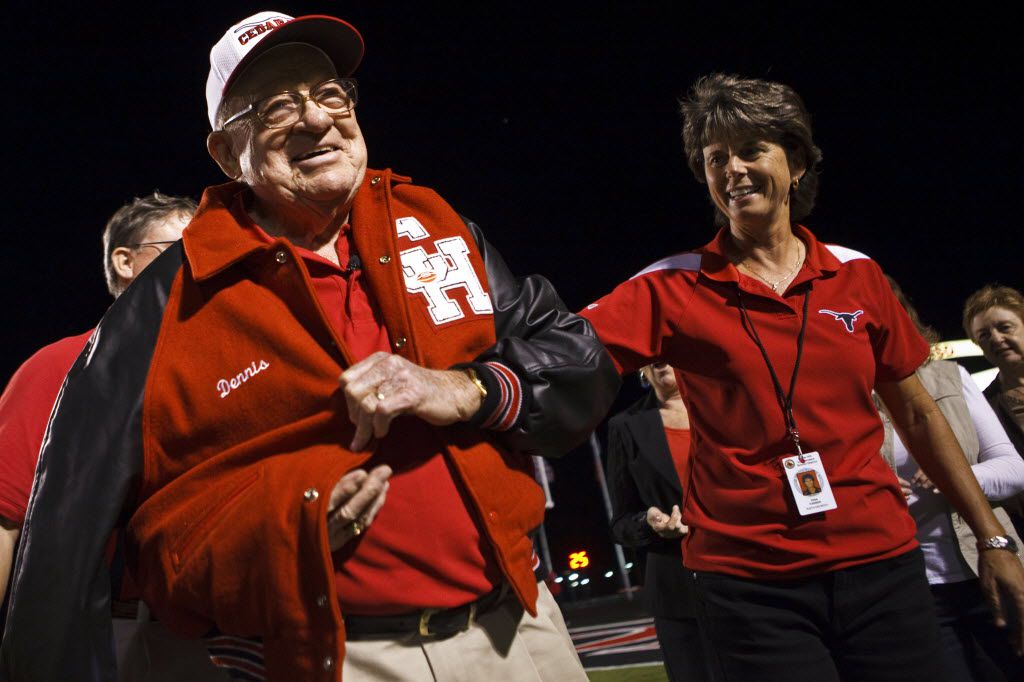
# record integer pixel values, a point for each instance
(567, 377)
(628, 525)
(58, 625)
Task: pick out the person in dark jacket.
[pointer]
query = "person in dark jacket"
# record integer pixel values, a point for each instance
(648, 453)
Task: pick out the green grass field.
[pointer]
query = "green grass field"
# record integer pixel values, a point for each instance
(639, 673)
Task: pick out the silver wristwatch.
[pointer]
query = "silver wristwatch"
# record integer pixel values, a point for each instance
(998, 542)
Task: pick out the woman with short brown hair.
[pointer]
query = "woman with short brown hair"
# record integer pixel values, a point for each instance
(778, 340)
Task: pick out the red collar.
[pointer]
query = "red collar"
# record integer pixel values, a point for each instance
(717, 266)
(222, 233)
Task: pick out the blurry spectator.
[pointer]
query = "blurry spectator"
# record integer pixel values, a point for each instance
(648, 457)
(972, 646)
(994, 319)
(133, 238)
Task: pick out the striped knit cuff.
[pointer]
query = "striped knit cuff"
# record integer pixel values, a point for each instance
(241, 658)
(503, 406)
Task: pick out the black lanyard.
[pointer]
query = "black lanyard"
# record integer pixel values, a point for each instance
(785, 399)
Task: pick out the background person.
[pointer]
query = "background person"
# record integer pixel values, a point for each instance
(134, 237)
(778, 340)
(994, 319)
(648, 457)
(972, 647)
(136, 234)
(375, 525)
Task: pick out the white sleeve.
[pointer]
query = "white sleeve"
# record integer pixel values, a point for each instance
(1000, 470)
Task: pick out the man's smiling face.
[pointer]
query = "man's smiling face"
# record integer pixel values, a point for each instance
(320, 159)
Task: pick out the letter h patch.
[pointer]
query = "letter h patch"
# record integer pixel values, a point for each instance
(436, 274)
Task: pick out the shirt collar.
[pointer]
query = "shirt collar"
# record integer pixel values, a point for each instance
(717, 266)
(222, 233)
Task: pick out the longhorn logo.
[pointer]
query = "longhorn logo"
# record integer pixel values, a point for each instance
(848, 319)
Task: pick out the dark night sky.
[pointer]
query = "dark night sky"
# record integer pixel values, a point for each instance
(554, 126)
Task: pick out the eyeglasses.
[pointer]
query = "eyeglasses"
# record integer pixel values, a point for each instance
(155, 245)
(336, 96)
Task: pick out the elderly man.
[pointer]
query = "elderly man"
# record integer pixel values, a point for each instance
(255, 480)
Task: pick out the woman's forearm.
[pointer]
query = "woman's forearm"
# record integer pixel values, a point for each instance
(927, 435)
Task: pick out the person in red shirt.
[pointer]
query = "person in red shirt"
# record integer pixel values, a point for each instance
(134, 236)
(648, 457)
(326, 405)
(779, 340)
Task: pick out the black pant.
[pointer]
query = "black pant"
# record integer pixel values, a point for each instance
(869, 623)
(973, 648)
(683, 649)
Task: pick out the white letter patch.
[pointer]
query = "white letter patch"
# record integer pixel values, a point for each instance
(411, 228)
(434, 274)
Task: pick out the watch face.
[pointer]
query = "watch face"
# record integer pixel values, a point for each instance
(1001, 542)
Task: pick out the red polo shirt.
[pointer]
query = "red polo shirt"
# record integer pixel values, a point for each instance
(684, 310)
(424, 550)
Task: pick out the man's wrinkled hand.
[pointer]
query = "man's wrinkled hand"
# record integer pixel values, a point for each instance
(1002, 582)
(668, 526)
(355, 501)
(384, 386)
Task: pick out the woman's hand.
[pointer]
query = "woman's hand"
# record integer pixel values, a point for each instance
(906, 486)
(921, 480)
(668, 526)
(1002, 582)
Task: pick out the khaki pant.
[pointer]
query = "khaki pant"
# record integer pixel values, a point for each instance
(503, 645)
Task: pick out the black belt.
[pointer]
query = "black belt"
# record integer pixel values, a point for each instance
(428, 622)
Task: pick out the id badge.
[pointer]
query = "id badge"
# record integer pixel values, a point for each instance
(809, 483)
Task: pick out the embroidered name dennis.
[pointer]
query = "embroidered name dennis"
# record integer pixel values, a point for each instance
(225, 386)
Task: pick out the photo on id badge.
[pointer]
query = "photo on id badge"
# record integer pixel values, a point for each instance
(809, 483)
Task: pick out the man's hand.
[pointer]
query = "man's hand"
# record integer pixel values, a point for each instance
(1002, 581)
(668, 526)
(355, 501)
(384, 386)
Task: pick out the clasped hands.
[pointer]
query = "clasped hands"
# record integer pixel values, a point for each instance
(377, 390)
(669, 526)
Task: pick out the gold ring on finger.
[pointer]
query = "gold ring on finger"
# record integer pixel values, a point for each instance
(380, 396)
(357, 528)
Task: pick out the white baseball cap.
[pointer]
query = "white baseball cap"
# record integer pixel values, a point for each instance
(253, 36)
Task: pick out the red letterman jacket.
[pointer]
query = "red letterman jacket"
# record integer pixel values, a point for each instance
(242, 425)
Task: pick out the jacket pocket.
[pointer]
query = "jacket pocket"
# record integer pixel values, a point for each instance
(197, 532)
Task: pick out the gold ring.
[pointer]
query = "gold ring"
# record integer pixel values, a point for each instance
(380, 396)
(357, 528)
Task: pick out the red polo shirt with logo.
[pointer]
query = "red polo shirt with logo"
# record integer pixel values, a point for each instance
(684, 310)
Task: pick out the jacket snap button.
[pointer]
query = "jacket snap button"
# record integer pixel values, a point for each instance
(328, 663)
(384, 260)
(321, 601)
(400, 342)
(281, 257)
(310, 494)
(493, 516)
(375, 180)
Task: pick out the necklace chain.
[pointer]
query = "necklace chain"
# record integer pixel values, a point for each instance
(775, 284)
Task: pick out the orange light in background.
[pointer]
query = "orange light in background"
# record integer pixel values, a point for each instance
(579, 559)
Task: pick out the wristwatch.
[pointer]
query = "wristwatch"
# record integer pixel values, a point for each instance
(998, 542)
